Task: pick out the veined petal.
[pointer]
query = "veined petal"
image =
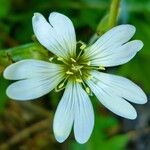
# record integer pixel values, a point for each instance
(65, 30)
(111, 48)
(122, 55)
(30, 68)
(74, 106)
(84, 115)
(64, 116)
(52, 37)
(113, 90)
(38, 78)
(121, 87)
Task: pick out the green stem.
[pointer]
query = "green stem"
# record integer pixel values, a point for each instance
(113, 15)
(107, 22)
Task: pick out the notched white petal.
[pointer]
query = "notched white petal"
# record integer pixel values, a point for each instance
(113, 91)
(115, 104)
(75, 106)
(120, 87)
(113, 48)
(121, 55)
(58, 36)
(37, 78)
(65, 30)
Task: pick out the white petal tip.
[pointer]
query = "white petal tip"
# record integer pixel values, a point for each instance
(144, 101)
(132, 116)
(37, 16)
(5, 74)
(10, 94)
(131, 28)
(81, 141)
(54, 13)
(142, 98)
(139, 44)
(60, 137)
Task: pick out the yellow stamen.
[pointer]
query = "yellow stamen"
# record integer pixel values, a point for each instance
(79, 80)
(69, 72)
(89, 63)
(73, 59)
(101, 68)
(87, 89)
(61, 85)
(60, 59)
(76, 67)
(83, 46)
(51, 58)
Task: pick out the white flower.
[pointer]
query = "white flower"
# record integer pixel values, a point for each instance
(79, 72)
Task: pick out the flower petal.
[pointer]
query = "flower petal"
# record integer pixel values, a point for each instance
(108, 96)
(110, 49)
(65, 30)
(30, 68)
(64, 116)
(53, 38)
(74, 106)
(121, 87)
(84, 115)
(38, 78)
(122, 55)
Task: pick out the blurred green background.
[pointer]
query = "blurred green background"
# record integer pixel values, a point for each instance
(28, 125)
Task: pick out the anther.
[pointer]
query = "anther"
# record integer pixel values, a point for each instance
(89, 63)
(83, 45)
(80, 72)
(101, 68)
(61, 85)
(51, 58)
(57, 89)
(73, 59)
(60, 59)
(87, 89)
(69, 72)
(79, 80)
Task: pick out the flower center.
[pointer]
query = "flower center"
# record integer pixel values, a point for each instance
(76, 70)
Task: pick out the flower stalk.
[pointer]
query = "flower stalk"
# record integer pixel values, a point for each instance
(113, 15)
(108, 21)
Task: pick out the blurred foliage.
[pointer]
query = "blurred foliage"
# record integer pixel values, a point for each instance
(3, 97)
(4, 8)
(88, 17)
